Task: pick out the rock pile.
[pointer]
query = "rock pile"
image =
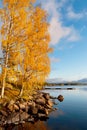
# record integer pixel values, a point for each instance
(19, 111)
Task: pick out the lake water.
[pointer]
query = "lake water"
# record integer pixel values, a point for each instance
(71, 113)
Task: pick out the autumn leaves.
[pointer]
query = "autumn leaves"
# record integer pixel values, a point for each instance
(25, 44)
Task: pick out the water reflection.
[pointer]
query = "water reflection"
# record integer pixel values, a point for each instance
(40, 125)
(84, 89)
(56, 114)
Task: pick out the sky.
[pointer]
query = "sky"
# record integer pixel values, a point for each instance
(68, 31)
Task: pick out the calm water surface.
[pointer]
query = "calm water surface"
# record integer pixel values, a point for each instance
(71, 113)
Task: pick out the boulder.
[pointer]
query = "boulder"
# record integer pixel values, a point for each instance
(24, 116)
(40, 101)
(22, 106)
(14, 117)
(10, 107)
(26, 108)
(60, 98)
(48, 106)
(42, 109)
(19, 111)
(34, 110)
(46, 96)
(31, 104)
(16, 107)
(50, 103)
(4, 113)
(53, 97)
(41, 115)
(11, 102)
(31, 119)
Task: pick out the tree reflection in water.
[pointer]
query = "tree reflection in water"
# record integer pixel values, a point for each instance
(39, 125)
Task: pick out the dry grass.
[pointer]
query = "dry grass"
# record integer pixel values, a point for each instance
(10, 93)
(13, 93)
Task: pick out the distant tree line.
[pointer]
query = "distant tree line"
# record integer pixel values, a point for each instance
(62, 84)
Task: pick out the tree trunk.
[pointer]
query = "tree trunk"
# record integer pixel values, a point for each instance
(21, 91)
(4, 76)
(5, 65)
(3, 84)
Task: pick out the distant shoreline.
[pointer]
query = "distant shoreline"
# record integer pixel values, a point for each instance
(64, 84)
(60, 88)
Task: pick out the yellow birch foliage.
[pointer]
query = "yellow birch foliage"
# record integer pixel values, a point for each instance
(36, 60)
(25, 41)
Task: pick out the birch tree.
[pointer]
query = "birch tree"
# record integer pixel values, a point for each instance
(25, 42)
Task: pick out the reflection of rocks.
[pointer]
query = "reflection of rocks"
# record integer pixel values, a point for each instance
(56, 114)
(39, 125)
(20, 111)
(60, 98)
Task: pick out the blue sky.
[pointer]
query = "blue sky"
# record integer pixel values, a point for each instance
(68, 30)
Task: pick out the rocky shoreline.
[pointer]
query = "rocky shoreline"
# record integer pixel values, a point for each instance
(20, 111)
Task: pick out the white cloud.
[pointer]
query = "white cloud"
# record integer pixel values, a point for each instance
(51, 6)
(74, 35)
(56, 29)
(54, 59)
(71, 14)
(73, 38)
